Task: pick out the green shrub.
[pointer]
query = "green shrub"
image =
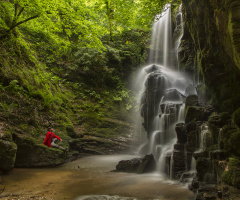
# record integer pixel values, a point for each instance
(232, 176)
(231, 140)
(236, 117)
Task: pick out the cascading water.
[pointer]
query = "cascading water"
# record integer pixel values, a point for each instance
(179, 27)
(162, 96)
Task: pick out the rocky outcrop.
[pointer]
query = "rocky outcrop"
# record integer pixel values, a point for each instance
(197, 113)
(137, 165)
(181, 133)
(8, 151)
(210, 48)
(97, 145)
(31, 154)
(212, 139)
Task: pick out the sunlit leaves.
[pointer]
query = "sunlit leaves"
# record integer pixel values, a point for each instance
(87, 20)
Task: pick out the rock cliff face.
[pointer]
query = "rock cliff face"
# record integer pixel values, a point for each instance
(210, 51)
(210, 48)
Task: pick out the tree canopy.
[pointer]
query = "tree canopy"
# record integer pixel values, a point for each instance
(85, 20)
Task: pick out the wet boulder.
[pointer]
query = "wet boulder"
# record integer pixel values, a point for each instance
(179, 162)
(32, 154)
(179, 147)
(202, 167)
(194, 185)
(190, 90)
(218, 155)
(180, 129)
(187, 176)
(210, 195)
(173, 95)
(151, 68)
(192, 100)
(231, 175)
(200, 154)
(8, 151)
(236, 117)
(198, 113)
(137, 165)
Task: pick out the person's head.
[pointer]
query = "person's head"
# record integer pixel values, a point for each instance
(50, 129)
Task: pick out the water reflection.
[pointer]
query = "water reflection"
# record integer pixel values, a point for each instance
(92, 178)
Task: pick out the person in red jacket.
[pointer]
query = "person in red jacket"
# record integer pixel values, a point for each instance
(51, 139)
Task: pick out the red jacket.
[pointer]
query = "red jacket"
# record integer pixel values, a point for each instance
(47, 140)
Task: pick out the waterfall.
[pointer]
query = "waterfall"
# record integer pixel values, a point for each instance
(203, 136)
(179, 30)
(160, 48)
(161, 99)
(220, 138)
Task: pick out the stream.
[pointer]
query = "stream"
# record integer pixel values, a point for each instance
(90, 177)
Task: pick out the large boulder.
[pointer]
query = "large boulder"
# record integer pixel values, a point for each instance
(236, 117)
(191, 100)
(197, 113)
(202, 167)
(231, 138)
(137, 165)
(231, 175)
(180, 129)
(98, 145)
(179, 160)
(190, 91)
(31, 154)
(8, 151)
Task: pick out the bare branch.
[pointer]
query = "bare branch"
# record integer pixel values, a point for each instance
(21, 22)
(20, 12)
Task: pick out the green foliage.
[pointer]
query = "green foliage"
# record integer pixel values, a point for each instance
(236, 117)
(68, 61)
(231, 140)
(232, 176)
(14, 87)
(7, 109)
(7, 135)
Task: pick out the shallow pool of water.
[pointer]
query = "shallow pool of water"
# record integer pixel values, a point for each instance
(91, 178)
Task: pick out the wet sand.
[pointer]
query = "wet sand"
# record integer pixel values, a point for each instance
(88, 176)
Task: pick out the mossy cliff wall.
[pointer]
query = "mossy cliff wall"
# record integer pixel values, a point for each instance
(210, 48)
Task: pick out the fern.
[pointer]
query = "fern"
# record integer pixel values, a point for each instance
(7, 109)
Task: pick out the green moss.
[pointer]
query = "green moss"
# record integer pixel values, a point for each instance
(232, 176)
(236, 117)
(217, 121)
(7, 136)
(225, 118)
(7, 154)
(196, 113)
(231, 140)
(31, 154)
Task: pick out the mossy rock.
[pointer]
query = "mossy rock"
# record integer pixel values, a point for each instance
(7, 155)
(31, 154)
(137, 165)
(96, 145)
(231, 138)
(236, 117)
(202, 167)
(7, 136)
(214, 124)
(217, 121)
(232, 176)
(191, 100)
(197, 113)
(71, 132)
(191, 140)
